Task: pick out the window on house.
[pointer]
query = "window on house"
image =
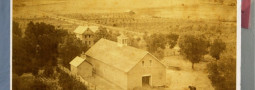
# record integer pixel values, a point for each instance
(142, 63)
(150, 62)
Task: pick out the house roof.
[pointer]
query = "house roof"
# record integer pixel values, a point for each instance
(93, 28)
(77, 61)
(123, 58)
(82, 29)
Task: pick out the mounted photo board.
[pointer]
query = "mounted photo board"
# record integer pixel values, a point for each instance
(246, 5)
(125, 45)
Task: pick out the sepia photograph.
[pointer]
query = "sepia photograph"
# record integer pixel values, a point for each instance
(124, 45)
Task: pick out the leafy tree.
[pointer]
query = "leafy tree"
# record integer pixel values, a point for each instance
(217, 47)
(222, 73)
(37, 49)
(172, 39)
(28, 83)
(159, 53)
(39, 85)
(70, 83)
(19, 54)
(193, 47)
(70, 48)
(16, 30)
(103, 33)
(134, 42)
(155, 41)
(48, 71)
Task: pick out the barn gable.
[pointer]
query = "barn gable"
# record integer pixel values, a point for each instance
(154, 58)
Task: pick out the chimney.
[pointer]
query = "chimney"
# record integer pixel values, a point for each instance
(83, 55)
(122, 40)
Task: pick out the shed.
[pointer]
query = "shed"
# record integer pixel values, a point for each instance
(79, 66)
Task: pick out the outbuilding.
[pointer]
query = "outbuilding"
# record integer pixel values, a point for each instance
(80, 66)
(125, 66)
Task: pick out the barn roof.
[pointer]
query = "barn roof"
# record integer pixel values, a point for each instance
(122, 58)
(82, 29)
(77, 61)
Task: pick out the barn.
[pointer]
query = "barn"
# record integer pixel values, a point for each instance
(125, 66)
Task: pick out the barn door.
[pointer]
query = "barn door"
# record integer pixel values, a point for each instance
(146, 81)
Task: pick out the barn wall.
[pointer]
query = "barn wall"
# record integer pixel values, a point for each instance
(85, 69)
(109, 73)
(156, 70)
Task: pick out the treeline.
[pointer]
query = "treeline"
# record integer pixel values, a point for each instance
(222, 65)
(221, 69)
(38, 51)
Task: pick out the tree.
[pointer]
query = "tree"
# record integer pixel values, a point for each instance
(19, 55)
(103, 33)
(70, 83)
(222, 73)
(155, 41)
(193, 47)
(16, 30)
(70, 48)
(159, 53)
(217, 47)
(39, 85)
(37, 49)
(172, 39)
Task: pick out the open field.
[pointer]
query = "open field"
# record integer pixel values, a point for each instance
(204, 18)
(184, 76)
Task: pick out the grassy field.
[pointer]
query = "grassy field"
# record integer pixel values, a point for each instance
(184, 76)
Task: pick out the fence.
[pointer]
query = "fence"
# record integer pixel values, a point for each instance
(89, 85)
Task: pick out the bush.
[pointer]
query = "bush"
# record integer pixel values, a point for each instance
(70, 83)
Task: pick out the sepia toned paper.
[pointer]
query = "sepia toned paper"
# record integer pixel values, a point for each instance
(124, 45)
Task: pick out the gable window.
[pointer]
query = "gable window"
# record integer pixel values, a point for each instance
(150, 62)
(142, 63)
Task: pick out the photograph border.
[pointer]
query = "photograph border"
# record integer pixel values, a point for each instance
(5, 30)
